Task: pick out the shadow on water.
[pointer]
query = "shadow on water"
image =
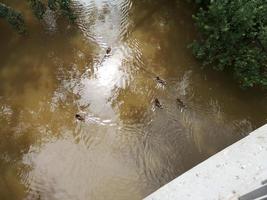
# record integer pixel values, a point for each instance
(127, 147)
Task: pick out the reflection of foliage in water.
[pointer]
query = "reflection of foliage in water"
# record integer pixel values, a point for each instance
(39, 8)
(13, 17)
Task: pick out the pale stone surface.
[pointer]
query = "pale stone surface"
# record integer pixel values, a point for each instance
(229, 174)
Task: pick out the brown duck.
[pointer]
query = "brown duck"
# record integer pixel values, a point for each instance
(108, 50)
(159, 80)
(157, 103)
(79, 117)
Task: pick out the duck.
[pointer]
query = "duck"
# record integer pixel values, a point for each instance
(180, 102)
(108, 50)
(80, 117)
(157, 103)
(159, 80)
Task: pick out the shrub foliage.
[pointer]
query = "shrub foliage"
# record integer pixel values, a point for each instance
(233, 37)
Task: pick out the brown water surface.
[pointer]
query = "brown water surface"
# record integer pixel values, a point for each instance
(126, 148)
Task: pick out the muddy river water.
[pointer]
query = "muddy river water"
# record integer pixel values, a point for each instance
(127, 147)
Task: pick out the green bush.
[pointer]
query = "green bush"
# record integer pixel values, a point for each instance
(233, 37)
(202, 2)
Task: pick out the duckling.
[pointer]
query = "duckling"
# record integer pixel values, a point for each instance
(108, 50)
(157, 103)
(159, 80)
(80, 117)
(180, 102)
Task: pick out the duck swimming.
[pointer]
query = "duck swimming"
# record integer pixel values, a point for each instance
(108, 50)
(80, 117)
(157, 103)
(159, 80)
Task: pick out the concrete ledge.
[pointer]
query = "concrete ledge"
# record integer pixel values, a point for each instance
(230, 174)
